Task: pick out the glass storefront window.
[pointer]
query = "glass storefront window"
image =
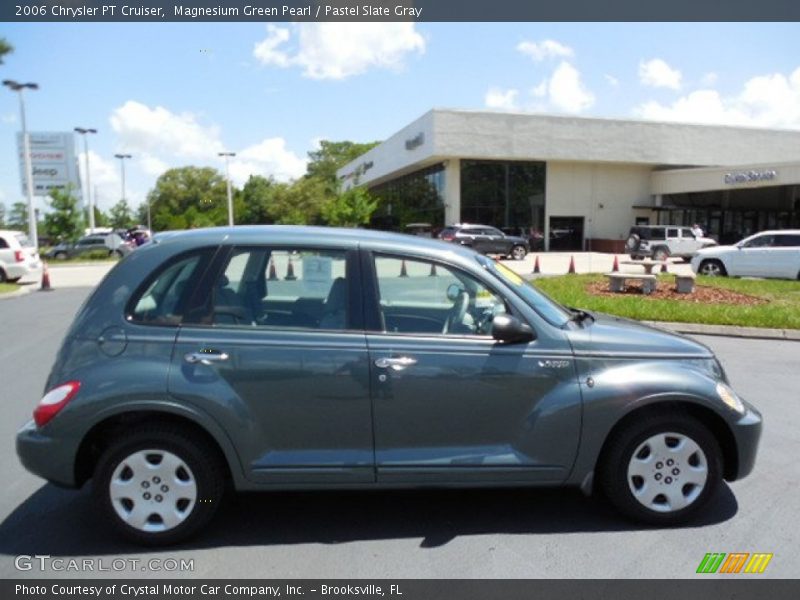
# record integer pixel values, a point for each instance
(505, 194)
(414, 198)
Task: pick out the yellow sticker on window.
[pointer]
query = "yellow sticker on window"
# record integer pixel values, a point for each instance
(512, 276)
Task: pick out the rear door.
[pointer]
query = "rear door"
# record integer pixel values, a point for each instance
(277, 353)
(786, 255)
(450, 403)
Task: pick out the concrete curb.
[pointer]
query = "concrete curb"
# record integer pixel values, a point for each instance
(18, 293)
(730, 331)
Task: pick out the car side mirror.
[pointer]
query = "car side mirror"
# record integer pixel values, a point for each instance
(510, 330)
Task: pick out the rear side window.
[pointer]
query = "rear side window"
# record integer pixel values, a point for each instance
(164, 299)
(786, 240)
(3, 243)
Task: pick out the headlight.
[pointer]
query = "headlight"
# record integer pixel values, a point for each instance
(729, 397)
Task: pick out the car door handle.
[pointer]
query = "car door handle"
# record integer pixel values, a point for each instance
(204, 358)
(396, 364)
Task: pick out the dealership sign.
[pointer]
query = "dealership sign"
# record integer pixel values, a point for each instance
(53, 162)
(752, 176)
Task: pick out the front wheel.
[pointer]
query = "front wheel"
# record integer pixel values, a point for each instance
(662, 469)
(518, 252)
(712, 268)
(158, 486)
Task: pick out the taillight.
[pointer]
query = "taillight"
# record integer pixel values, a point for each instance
(447, 237)
(54, 401)
(19, 256)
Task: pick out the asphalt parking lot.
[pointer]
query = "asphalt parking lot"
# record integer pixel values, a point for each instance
(409, 534)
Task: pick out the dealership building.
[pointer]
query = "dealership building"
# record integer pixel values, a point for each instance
(581, 182)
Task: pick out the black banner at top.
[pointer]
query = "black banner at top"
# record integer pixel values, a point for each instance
(397, 10)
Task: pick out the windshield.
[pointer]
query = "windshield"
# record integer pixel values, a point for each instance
(541, 303)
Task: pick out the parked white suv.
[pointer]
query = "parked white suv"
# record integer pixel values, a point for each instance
(18, 257)
(660, 242)
(765, 254)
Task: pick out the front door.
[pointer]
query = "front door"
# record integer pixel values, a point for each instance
(450, 403)
(280, 358)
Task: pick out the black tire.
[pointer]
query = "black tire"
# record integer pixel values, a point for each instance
(613, 470)
(13, 279)
(660, 253)
(204, 465)
(3, 276)
(519, 252)
(633, 242)
(712, 268)
(60, 256)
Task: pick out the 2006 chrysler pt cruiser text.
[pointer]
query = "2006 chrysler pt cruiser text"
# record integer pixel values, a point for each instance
(266, 358)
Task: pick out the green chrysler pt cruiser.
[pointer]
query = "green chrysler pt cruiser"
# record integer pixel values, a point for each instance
(274, 358)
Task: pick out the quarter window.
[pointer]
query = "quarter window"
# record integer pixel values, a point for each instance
(422, 297)
(264, 287)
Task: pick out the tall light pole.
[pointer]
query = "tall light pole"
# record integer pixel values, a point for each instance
(20, 88)
(84, 131)
(228, 156)
(122, 158)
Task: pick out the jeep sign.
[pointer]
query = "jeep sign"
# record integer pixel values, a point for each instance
(53, 162)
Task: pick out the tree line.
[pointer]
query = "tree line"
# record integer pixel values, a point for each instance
(190, 197)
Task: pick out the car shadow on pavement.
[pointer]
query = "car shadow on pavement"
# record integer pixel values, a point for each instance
(64, 523)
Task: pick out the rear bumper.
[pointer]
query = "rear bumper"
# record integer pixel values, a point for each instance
(747, 433)
(47, 457)
(23, 269)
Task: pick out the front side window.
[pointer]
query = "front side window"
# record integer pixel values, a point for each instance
(164, 300)
(422, 297)
(760, 241)
(266, 287)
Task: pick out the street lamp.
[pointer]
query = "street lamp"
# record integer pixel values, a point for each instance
(122, 158)
(20, 88)
(228, 156)
(83, 131)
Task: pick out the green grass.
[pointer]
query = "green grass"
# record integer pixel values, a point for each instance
(6, 288)
(782, 309)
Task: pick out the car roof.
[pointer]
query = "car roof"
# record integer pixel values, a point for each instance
(294, 234)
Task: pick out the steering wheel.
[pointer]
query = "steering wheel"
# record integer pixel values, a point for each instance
(458, 312)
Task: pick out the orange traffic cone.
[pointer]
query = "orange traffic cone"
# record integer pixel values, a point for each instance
(433, 271)
(615, 266)
(536, 268)
(571, 265)
(273, 274)
(290, 276)
(403, 271)
(45, 279)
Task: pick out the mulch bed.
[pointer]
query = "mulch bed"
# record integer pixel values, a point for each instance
(667, 291)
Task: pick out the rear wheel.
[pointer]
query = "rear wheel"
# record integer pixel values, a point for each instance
(712, 268)
(662, 469)
(3, 276)
(60, 256)
(158, 486)
(661, 253)
(518, 252)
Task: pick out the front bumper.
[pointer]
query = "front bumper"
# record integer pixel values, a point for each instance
(747, 433)
(50, 458)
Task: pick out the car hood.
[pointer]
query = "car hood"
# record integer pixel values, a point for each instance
(716, 250)
(614, 336)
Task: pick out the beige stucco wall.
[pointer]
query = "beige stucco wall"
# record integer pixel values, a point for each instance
(603, 193)
(703, 180)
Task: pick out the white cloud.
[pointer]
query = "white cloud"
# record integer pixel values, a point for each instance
(268, 157)
(339, 50)
(158, 130)
(502, 99)
(566, 91)
(709, 79)
(765, 101)
(657, 73)
(106, 179)
(540, 91)
(160, 139)
(540, 51)
(612, 81)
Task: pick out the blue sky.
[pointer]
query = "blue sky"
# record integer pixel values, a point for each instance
(175, 94)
